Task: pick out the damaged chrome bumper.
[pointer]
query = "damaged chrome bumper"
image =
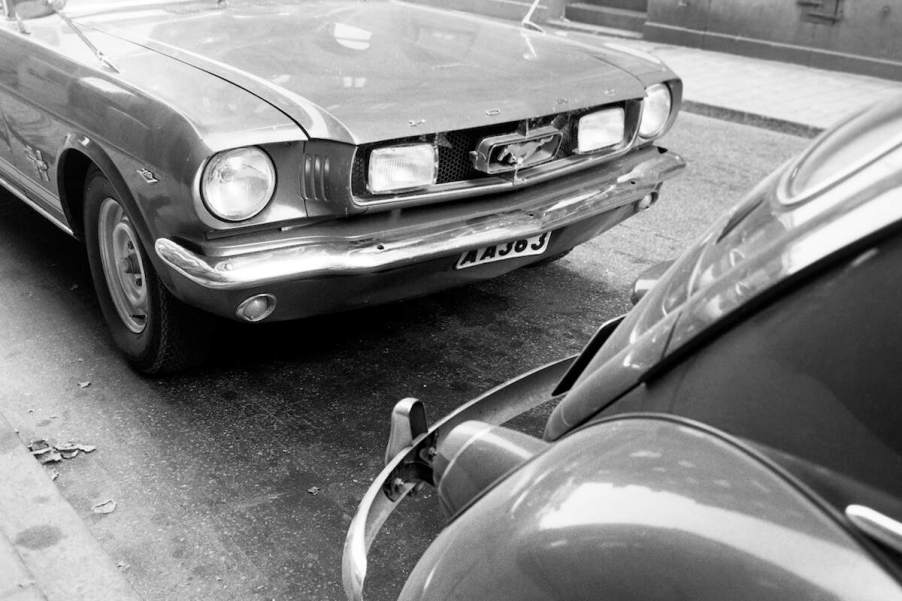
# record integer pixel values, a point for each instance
(347, 255)
(409, 450)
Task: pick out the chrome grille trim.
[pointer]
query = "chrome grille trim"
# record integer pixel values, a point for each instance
(491, 184)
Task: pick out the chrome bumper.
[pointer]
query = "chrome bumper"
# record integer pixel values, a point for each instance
(397, 479)
(395, 248)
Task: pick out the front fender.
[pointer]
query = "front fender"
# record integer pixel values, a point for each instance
(79, 146)
(646, 508)
(121, 170)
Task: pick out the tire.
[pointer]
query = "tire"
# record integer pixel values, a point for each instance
(551, 259)
(156, 332)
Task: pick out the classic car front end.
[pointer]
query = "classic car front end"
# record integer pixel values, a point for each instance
(381, 256)
(739, 424)
(390, 151)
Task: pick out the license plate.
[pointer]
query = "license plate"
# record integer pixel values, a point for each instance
(524, 247)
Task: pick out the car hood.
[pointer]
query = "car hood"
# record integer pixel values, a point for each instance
(368, 71)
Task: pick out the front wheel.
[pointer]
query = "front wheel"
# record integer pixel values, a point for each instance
(156, 332)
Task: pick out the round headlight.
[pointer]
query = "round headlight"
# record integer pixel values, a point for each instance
(655, 110)
(238, 184)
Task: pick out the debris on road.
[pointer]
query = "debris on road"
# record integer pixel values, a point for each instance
(39, 446)
(49, 457)
(70, 450)
(84, 384)
(122, 565)
(45, 452)
(313, 490)
(108, 506)
(54, 475)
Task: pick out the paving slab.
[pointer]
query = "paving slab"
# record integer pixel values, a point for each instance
(15, 581)
(782, 96)
(46, 552)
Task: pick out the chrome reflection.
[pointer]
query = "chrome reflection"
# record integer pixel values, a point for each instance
(605, 504)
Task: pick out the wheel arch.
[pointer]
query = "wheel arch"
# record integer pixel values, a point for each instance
(80, 153)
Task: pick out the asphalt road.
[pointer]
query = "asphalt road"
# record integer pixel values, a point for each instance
(237, 481)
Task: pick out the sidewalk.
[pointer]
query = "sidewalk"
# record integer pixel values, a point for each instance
(46, 552)
(783, 96)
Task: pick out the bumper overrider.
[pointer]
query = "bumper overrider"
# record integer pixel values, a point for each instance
(411, 446)
(338, 265)
(413, 449)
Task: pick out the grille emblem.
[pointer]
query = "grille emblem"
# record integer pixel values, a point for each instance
(521, 153)
(512, 152)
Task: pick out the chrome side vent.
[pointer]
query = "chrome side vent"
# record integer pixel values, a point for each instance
(314, 176)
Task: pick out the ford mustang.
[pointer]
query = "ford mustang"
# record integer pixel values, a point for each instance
(265, 160)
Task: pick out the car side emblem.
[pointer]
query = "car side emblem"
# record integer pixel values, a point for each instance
(416, 122)
(41, 167)
(493, 112)
(148, 175)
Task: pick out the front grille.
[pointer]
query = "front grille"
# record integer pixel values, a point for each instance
(454, 148)
(454, 163)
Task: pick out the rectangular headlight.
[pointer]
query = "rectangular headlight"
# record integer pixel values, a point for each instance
(601, 129)
(395, 168)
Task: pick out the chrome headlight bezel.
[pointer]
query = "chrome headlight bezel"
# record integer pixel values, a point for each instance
(242, 209)
(657, 109)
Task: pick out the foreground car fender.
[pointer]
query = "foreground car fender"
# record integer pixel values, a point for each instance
(646, 508)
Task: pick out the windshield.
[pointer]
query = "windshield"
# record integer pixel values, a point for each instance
(685, 276)
(764, 239)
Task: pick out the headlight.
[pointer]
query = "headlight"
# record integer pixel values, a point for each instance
(600, 129)
(402, 167)
(655, 110)
(238, 184)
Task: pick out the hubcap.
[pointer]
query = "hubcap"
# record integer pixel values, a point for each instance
(123, 268)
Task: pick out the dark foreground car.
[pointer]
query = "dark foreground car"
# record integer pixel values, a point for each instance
(274, 159)
(735, 436)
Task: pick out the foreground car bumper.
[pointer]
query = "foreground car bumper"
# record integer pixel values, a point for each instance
(233, 271)
(407, 458)
(401, 474)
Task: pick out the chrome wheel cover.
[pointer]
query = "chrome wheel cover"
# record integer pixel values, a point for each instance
(123, 268)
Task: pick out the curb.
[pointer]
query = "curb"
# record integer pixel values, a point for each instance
(44, 541)
(752, 119)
